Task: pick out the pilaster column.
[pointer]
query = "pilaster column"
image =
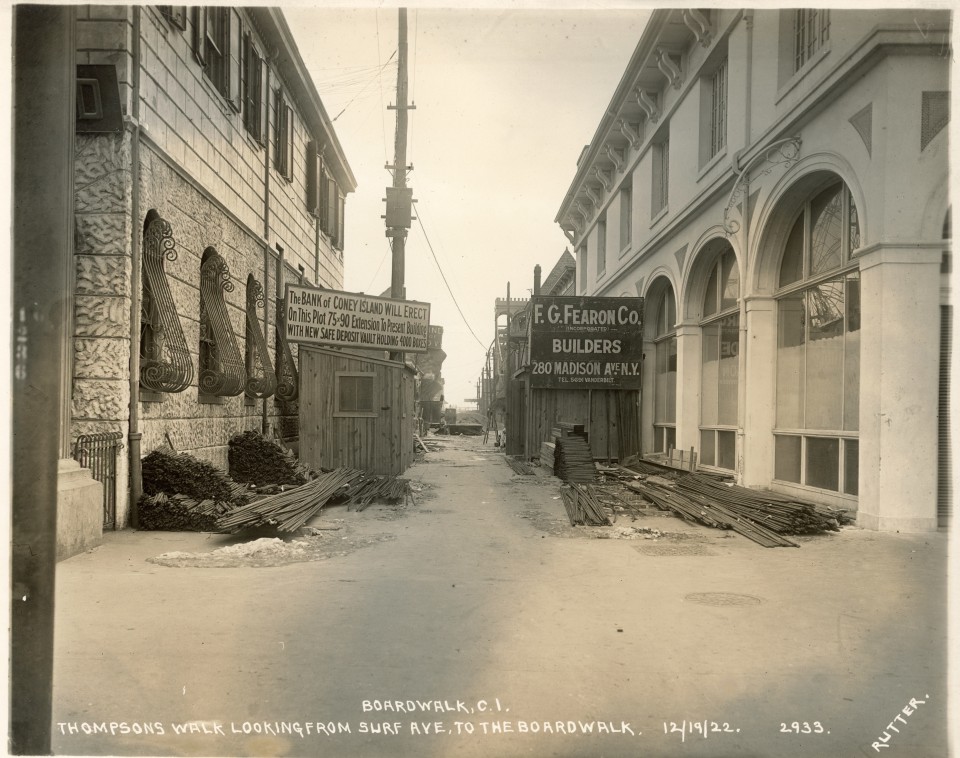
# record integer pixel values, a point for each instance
(758, 392)
(899, 373)
(649, 381)
(688, 386)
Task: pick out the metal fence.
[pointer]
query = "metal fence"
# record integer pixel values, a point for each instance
(98, 452)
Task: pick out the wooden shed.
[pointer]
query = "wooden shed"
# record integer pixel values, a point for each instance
(355, 411)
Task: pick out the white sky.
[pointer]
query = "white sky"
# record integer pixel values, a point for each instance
(506, 100)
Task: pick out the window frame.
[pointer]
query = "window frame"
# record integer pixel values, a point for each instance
(846, 271)
(665, 430)
(717, 318)
(338, 411)
(626, 215)
(805, 21)
(254, 89)
(283, 136)
(660, 180)
(601, 244)
(719, 84)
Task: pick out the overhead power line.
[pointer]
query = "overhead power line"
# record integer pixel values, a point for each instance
(444, 277)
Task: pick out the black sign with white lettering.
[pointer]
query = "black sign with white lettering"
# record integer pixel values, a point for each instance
(586, 342)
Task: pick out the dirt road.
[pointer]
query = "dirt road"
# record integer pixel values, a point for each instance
(478, 623)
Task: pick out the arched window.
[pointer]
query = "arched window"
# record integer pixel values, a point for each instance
(222, 372)
(665, 374)
(720, 365)
(818, 347)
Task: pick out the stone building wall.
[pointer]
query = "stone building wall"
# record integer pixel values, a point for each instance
(204, 173)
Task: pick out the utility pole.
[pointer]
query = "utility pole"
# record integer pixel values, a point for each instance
(399, 196)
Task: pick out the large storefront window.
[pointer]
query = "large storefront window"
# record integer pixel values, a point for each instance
(818, 347)
(720, 364)
(665, 383)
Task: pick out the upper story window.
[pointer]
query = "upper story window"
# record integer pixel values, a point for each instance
(602, 243)
(718, 109)
(811, 31)
(660, 190)
(254, 90)
(626, 214)
(283, 137)
(217, 46)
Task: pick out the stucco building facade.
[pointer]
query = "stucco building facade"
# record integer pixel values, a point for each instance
(207, 176)
(775, 184)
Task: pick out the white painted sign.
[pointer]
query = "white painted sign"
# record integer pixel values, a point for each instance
(347, 319)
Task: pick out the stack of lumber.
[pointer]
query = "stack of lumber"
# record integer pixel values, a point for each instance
(179, 513)
(548, 452)
(779, 513)
(763, 517)
(573, 460)
(290, 510)
(520, 467)
(583, 506)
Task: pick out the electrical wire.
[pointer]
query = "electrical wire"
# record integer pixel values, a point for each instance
(444, 276)
(379, 266)
(369, 82)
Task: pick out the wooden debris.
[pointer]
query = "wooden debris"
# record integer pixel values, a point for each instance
(764, 517)
(290, 510)
(583, 507)
(364, 491)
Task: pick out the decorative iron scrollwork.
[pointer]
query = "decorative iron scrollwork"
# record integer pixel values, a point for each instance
(288, 380)
(221, 362)
(784, 152)
(165, 362)
(261, 379)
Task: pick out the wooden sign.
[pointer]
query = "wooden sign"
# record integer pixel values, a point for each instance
(586, 342)
(348, 319)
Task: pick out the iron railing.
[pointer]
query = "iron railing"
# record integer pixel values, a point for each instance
(98, 452)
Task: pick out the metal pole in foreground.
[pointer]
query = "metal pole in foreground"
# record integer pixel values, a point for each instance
(43, 225)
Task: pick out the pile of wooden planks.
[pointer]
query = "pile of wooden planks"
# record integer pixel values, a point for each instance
(573, 460)
(763, 517)
(364, 491)
(290, 510)
(583, 506)
(548, 453)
